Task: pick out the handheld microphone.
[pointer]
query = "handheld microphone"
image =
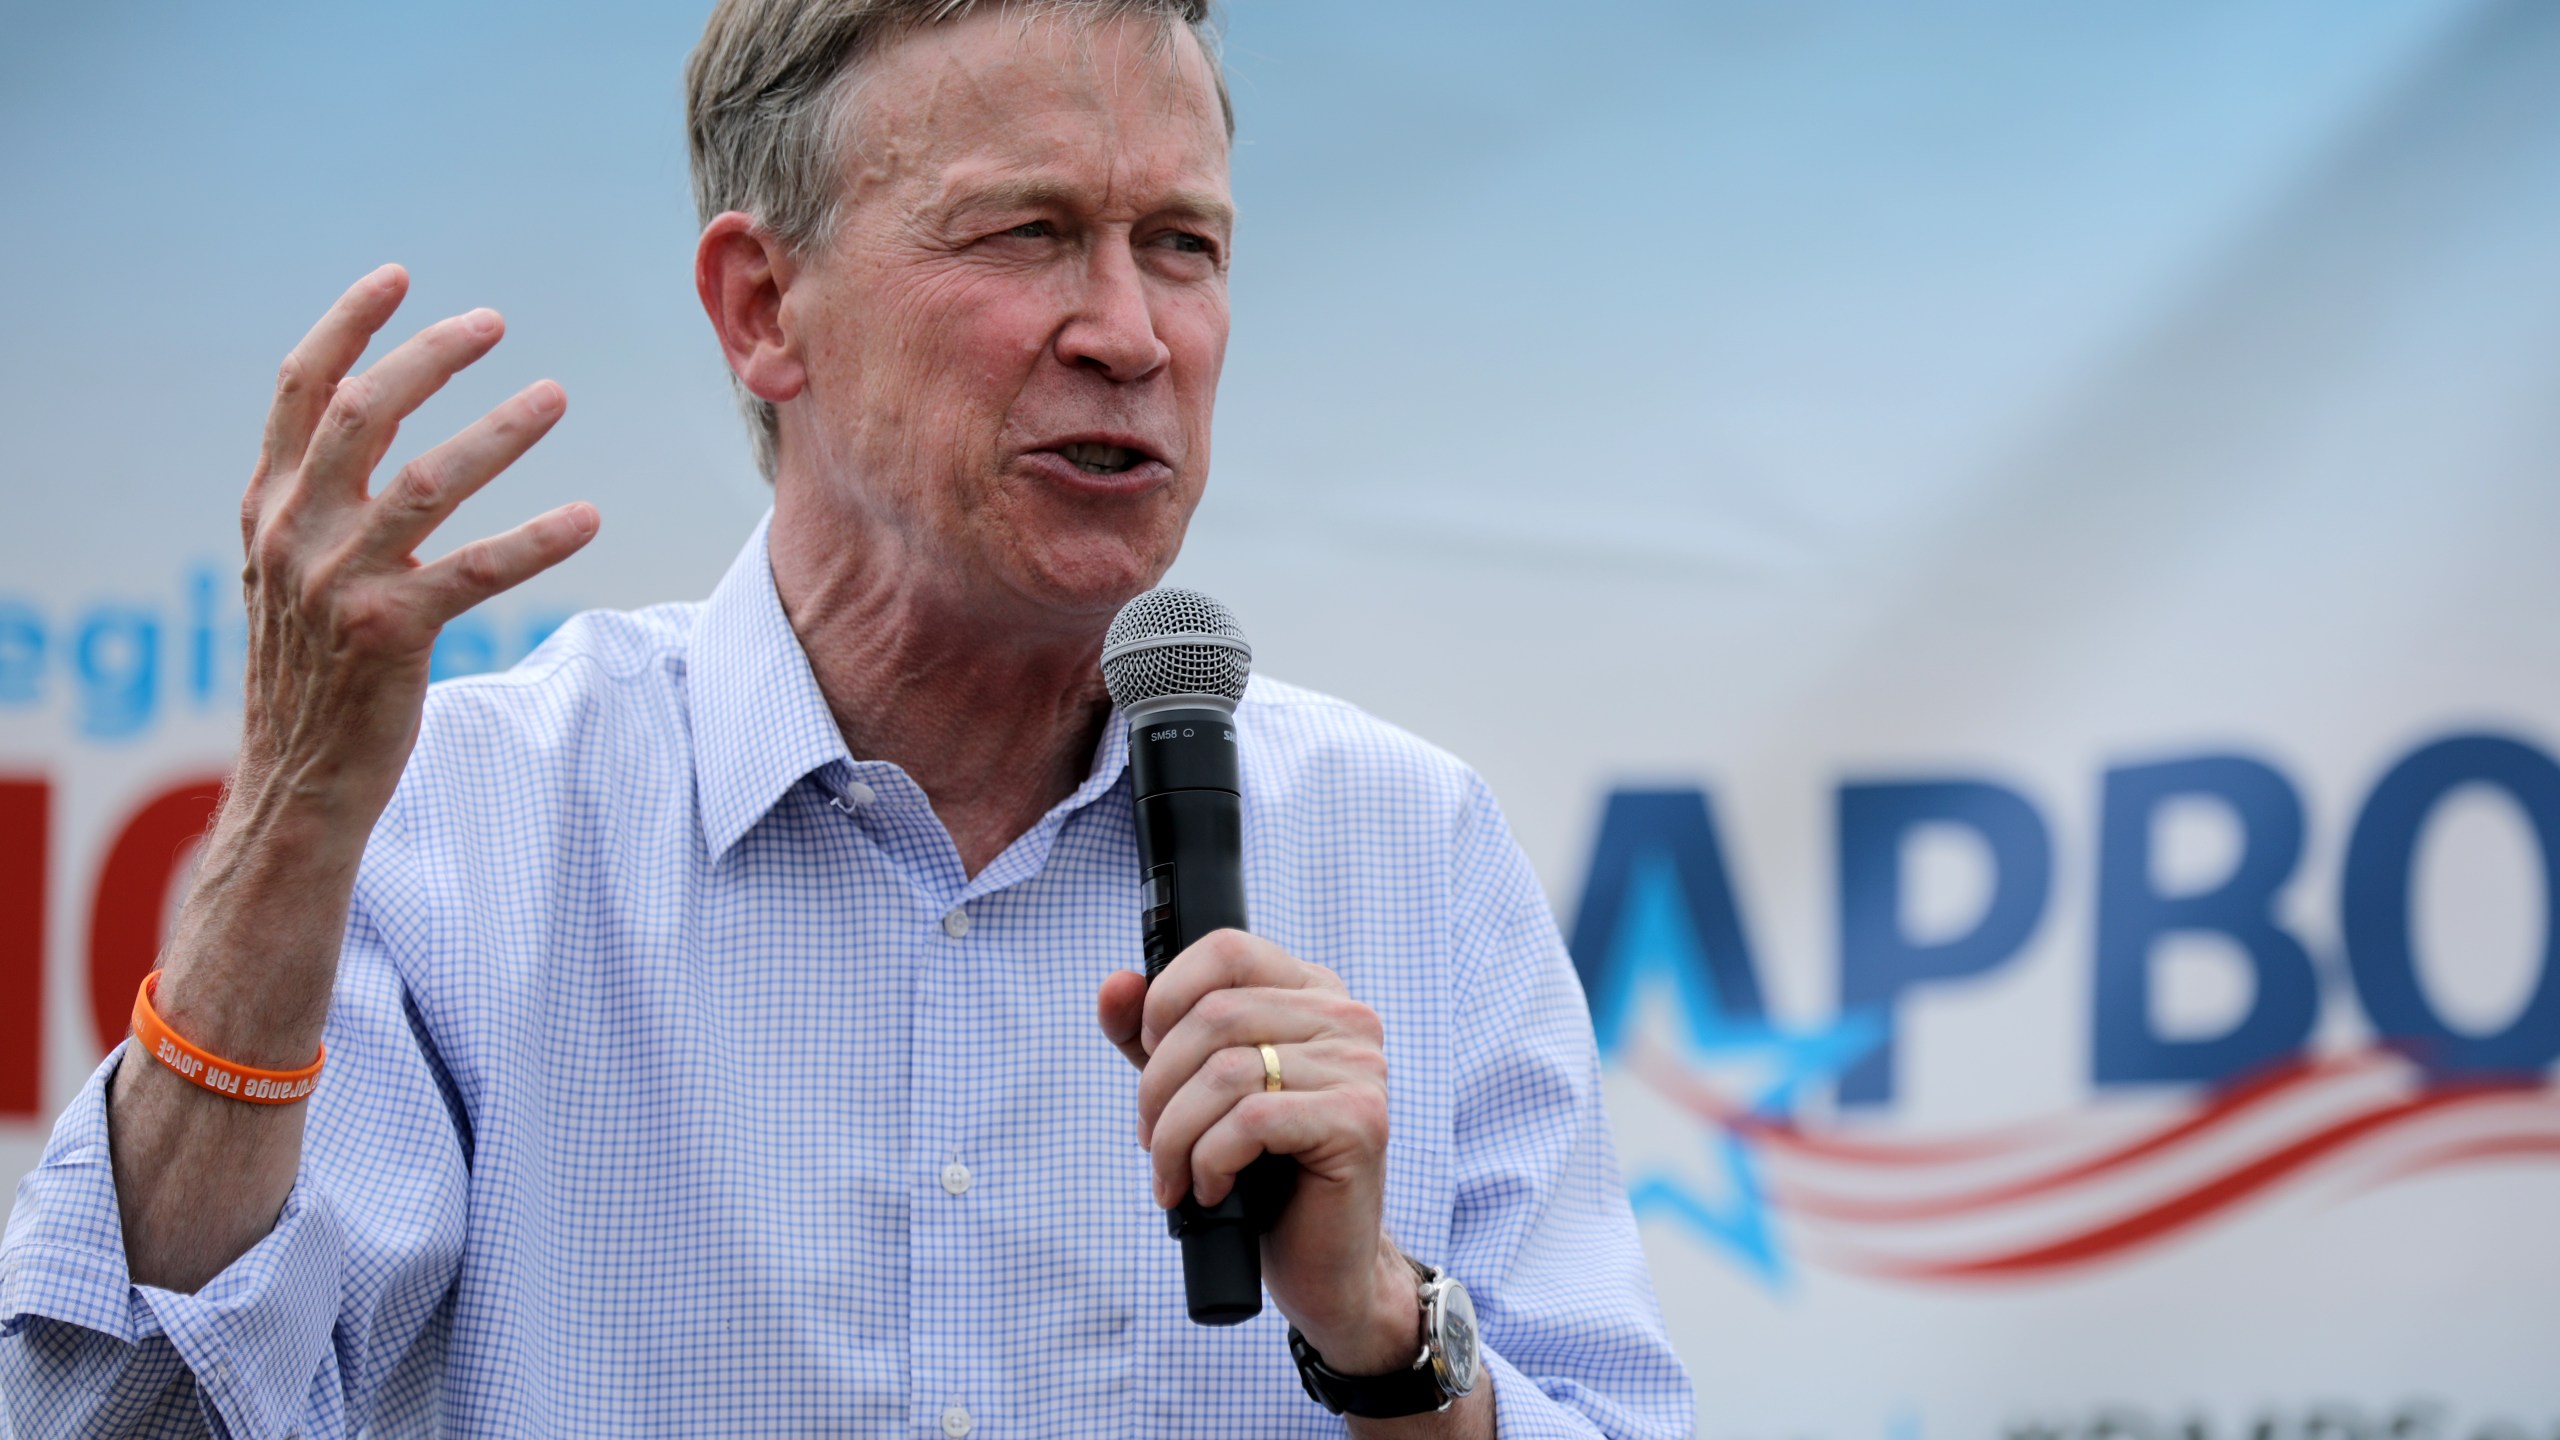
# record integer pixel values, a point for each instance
(1176, 663)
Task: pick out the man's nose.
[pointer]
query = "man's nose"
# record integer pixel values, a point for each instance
(1113, 329)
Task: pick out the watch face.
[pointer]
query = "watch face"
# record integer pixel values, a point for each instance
(1453, 1338)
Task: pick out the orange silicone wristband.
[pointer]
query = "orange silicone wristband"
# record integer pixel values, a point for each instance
(212, 1072)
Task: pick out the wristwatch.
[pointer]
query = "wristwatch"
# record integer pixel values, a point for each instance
(1445, 1370)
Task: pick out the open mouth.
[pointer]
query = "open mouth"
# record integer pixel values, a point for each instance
(1103, 459)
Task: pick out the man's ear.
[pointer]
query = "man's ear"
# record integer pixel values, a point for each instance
(741, 270)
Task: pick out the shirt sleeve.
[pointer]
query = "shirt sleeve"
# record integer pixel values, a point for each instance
(1541, 1232)
(324, 1326)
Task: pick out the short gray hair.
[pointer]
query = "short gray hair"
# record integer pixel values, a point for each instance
(765, 96)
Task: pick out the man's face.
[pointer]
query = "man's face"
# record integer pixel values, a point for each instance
(1012, 341)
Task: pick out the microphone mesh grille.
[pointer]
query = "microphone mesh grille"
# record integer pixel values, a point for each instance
(1173, 641)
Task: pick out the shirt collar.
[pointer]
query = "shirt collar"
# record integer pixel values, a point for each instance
(759, 721)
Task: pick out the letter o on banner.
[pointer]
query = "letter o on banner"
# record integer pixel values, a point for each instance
(133, 896)
(2381, 952)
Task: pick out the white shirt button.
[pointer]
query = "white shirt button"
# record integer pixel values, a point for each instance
(956, 1422)
(956, 924)
(857, 793)
(955, 1178)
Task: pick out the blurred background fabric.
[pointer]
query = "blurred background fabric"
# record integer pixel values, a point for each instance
(2001, 559)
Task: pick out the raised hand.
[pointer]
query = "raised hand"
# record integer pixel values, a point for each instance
(342, 620)
(342, 616)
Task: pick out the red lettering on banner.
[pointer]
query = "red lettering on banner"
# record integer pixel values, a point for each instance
(25, 819)
(133, 895)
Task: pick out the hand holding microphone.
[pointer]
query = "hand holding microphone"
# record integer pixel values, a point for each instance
(1263, 1098)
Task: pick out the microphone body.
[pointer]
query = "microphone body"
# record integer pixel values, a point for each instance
(1177, 667)
(1183, 769)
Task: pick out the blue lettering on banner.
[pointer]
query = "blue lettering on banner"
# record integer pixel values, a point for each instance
(21, 653)
(1660, 917)
(1878, 960)
(122, 663)
(1667, 838)
(2381, 854)
(204, 662)
(1659, 907)
(2133, 918)
(118, 665)
(1661, 850)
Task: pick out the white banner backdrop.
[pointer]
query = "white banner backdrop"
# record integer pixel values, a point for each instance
(2001, 564)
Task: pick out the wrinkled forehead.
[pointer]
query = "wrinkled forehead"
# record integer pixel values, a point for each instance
(1040, 85)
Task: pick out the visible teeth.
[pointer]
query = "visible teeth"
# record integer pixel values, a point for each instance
(1101, 459)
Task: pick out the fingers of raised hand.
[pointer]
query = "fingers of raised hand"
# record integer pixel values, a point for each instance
(1221, 960)
(363, 414)
(311, 372)
(486, 567)
(428, 488)
(1230, 1021)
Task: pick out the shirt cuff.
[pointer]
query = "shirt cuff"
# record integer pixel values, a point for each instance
(255, 1336)
(258, 1333)
(1523, 1410)
(63, 1256)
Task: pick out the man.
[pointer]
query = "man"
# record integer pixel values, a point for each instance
(705, 1049)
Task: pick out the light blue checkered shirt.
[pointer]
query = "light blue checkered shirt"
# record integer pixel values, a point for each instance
(680, 1083)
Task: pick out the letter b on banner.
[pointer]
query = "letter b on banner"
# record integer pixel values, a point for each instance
(2133, 917)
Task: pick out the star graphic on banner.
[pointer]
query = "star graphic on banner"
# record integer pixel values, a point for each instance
(1658, 949)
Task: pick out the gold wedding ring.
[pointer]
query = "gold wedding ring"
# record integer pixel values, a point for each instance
(1270, 1069)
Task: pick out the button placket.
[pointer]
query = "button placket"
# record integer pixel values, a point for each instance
(945, 1230)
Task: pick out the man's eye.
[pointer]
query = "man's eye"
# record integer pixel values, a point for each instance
(1029, 230)
(1187, 243)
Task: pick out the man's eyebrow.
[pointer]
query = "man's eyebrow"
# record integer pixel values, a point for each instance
(1199, 205)
(1206, 206)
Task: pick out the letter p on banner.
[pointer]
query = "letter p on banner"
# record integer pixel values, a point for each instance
(1878, 960)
